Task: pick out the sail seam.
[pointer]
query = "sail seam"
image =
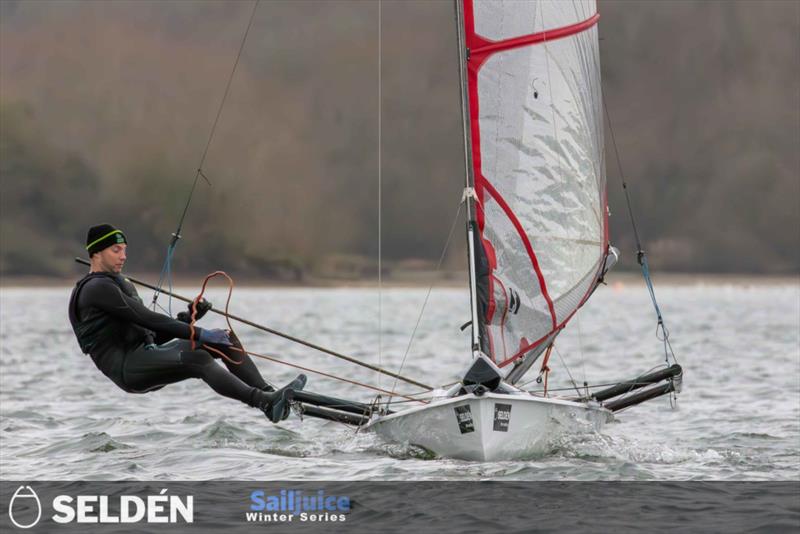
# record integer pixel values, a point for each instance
(568, 239)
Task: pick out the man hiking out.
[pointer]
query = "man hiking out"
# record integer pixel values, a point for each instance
(141, 350)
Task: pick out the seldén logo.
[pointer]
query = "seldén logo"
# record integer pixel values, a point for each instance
(23, 502)
(25, 508)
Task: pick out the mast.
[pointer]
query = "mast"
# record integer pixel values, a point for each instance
(469, 180)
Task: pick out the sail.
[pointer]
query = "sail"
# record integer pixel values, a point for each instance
(535, 123)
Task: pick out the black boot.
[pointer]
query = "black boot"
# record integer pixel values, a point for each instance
(277, 405)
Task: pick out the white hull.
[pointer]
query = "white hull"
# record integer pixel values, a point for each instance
(491, 427)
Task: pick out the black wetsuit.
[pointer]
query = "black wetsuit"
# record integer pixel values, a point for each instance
(136, 348)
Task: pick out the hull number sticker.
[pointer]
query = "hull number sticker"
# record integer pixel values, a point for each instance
(502, 415)
(464, 418)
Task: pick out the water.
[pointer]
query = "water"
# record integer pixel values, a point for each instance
(738, 417)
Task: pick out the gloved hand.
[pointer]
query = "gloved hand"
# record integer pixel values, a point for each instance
(202, 308)
(214, 336)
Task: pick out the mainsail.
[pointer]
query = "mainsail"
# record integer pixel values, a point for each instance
(536, 131)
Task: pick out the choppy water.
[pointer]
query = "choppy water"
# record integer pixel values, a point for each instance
(738, 417)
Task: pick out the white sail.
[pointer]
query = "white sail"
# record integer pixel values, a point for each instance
(535, 112)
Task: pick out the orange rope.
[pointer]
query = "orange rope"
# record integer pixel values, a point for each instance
(227, 319)
(244, 352)
(545, 369)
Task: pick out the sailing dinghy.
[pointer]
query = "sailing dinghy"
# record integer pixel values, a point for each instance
(537, 236)
(537, 231)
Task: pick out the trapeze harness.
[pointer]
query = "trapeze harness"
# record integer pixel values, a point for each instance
(141, 350)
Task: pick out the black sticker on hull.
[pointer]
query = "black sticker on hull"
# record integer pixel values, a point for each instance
(502, 415)
(464, 418)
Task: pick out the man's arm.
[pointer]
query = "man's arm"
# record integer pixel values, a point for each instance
(163, 338)
(105, 295)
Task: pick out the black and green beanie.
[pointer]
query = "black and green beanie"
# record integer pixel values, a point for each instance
(103, 236)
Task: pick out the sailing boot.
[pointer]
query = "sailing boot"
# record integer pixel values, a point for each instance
(278, 403)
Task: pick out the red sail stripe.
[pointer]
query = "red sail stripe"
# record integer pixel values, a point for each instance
(489, 47)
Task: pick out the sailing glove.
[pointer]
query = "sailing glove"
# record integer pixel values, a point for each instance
(214, 336)
(202, 308)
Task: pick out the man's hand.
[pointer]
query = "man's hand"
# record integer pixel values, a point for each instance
(202, 308)
(215, 336)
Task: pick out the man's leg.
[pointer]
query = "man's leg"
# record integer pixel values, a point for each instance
(148, 369)
(246, 370)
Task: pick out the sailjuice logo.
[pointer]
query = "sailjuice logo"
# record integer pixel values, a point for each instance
(24, 509)
(291, 505)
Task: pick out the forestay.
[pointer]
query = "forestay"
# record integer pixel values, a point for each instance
(535, 120)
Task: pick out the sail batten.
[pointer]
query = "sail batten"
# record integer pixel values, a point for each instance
(533, 88)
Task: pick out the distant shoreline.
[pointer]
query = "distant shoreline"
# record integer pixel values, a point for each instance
(421, 279)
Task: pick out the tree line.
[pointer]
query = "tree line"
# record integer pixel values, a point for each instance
(105, 109)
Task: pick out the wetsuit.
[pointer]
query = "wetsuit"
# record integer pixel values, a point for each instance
(137, 348)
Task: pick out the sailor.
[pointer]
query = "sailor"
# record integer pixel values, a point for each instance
(141, 350)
